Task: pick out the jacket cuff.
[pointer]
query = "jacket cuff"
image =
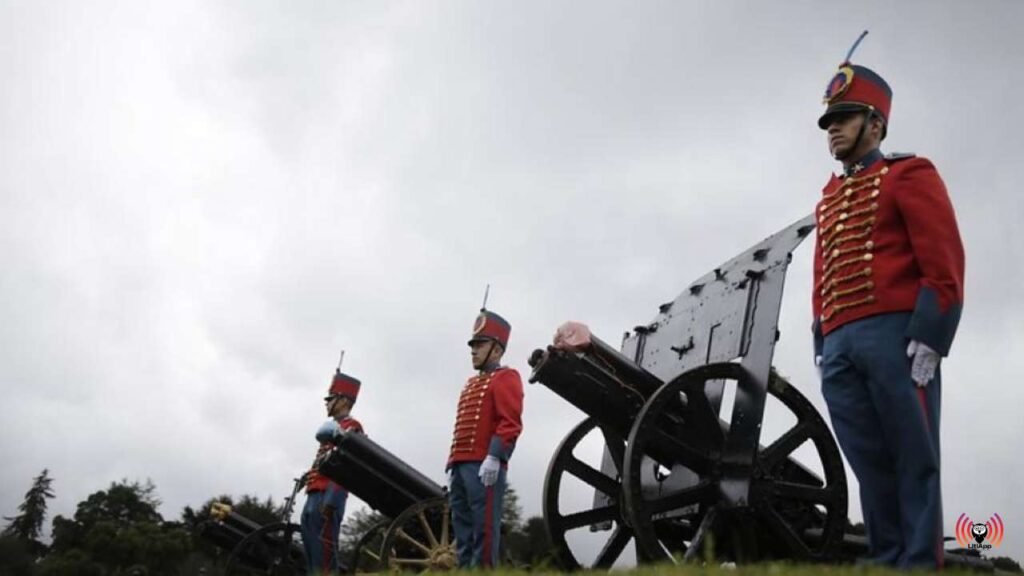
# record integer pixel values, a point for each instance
(929, 324)
(499, 450)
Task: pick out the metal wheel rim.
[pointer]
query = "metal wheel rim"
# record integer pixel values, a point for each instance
(283, 561)
(703, 457)
(764, 487)
(366, 557)
(421, 538)
(812, 426)
(558, 524)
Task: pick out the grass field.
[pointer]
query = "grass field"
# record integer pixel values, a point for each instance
(755, 570)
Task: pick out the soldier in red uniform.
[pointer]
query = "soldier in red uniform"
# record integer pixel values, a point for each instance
(325, 499)
(487, 424)
(888, 289)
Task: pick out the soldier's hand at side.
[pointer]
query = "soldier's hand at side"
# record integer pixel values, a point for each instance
(817, 364)
(489, 469)
(924, 361)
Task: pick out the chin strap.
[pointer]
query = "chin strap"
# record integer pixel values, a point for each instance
(489, 365)
(868, 115)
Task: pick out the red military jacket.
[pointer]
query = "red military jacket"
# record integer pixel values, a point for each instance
(888, 241)
(489, 417)
(317, 482)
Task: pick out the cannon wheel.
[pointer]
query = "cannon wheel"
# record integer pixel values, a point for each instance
(274, 549)
(560, 523)
(421, 538)
(366, 555)
(791, 513)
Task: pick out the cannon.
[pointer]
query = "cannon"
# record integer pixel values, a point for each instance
(681, 470)
(417, 535)
(274, 548)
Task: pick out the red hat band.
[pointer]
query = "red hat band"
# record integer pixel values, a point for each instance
(344, 385)
(855, 88)
(490, 326)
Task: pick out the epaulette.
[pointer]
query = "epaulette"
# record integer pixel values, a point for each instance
(896, 156)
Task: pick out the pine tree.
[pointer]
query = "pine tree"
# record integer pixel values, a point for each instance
(28, 524)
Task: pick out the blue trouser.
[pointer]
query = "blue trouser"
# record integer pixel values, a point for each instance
(476, 515)
(888, 429)
(320, 531)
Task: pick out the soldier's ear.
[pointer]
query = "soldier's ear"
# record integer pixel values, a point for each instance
(878, 124)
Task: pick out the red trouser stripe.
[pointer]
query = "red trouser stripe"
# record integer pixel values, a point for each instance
(326, 538)
(488, 521)
(924, 407)
(940, 554)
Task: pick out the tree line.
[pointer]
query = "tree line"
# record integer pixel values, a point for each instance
(119, 531)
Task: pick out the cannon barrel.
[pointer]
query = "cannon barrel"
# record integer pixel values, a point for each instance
(599, 381)
(376, 476)
(221, 535)
(228, 529)
(624, 367)
(225, 514)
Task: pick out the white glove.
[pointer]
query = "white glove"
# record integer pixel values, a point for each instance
(489, 469)
(328, 431)
(923, 364)
(817, 364)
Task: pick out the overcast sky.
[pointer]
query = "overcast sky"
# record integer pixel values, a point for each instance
(201, 203)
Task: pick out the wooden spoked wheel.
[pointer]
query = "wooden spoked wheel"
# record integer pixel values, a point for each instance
(272, 550)
(366, 557)
(421, 538)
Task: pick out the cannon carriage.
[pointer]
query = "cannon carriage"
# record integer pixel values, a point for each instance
(417, 535)
(274, 548)
(679, 474)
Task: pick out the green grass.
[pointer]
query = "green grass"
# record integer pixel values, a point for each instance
(752, 570)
